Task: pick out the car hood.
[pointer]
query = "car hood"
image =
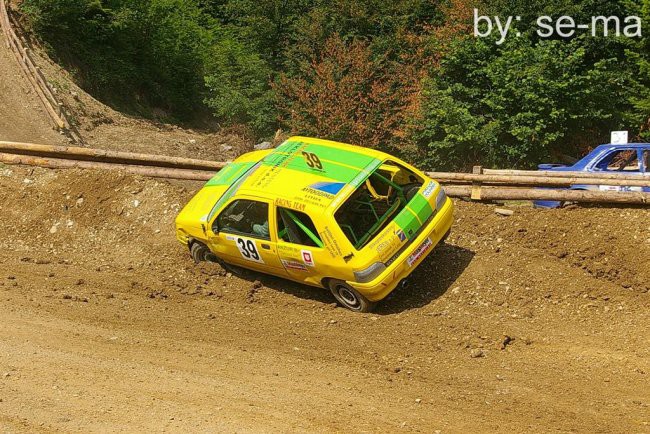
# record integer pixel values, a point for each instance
(558, 167)
(198, 208)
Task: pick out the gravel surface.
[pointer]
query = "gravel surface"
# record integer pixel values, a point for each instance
(533, 322)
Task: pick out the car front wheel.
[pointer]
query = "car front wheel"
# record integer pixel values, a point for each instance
(201, 253)
(349, 297)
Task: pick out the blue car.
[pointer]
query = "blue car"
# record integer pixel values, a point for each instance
(632, 158)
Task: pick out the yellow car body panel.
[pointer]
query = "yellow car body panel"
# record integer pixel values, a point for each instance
(304, 184)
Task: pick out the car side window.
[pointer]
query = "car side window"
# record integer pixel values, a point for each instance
(297, 228)
(244, 217)
(625, 160)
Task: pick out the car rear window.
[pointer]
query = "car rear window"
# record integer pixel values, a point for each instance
(376, 202)
(297, 228)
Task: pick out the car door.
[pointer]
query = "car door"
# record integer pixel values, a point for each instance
(242, 234)
(624, 161)
(300, 247)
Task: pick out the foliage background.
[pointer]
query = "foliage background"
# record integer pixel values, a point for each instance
(405, 76)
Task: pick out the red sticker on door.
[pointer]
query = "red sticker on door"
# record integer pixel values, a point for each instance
(307, 258)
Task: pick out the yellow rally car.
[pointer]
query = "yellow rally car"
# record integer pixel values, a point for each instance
(327, 214)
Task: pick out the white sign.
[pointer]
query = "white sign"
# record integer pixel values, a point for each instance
(248, 250)
(619, 137)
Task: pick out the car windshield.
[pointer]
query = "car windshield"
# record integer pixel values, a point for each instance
(231, 190)
(373, 205)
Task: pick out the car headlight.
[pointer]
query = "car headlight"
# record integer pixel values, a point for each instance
(441, 199)
(369, 273)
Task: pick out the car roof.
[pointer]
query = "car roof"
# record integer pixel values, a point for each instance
(625, 145)
(286, 173)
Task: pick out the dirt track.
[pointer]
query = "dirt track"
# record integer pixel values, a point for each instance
(534, 322)
(105, 324)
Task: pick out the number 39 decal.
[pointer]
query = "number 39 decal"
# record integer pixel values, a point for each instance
(248, 250)
(312, 160)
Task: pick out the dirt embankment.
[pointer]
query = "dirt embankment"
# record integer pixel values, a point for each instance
(22, 116)
(105, 128)
(534, 322)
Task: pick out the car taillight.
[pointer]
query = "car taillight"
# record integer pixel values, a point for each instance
(441, 199)
(370, 273)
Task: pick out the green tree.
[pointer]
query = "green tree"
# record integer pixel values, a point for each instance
(238, 84)
(131, 54)
(519, 103)
(641, 54)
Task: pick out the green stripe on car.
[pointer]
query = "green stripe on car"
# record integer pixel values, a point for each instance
(229, 174)
(420, 206)
(349, 170)
(407, 222)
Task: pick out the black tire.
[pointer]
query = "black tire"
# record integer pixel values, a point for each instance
(349, 297)
(201, 253)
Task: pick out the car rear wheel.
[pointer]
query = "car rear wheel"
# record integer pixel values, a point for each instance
(349, 297)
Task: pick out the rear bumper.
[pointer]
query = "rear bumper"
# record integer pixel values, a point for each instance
(384, 284)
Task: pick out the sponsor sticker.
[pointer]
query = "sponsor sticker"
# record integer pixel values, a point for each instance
(401, 235)
(328, 187)
(617, 188)
(420, 251)
(429, 189)
(331, 244)
(294, 265)
(307, 257)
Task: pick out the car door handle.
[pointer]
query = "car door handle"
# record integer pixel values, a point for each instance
(266, 246)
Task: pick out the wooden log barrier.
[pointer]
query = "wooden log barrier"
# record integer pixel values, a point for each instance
(538, 180)
(499, 193)
(557, 174)
(156, 172)
(117, 157)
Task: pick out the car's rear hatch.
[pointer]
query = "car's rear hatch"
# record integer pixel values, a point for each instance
(381, 222)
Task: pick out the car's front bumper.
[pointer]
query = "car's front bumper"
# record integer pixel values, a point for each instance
(399, 269)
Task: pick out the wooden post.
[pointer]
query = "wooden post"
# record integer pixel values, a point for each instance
(156, 172)
(476, 185)
(32, 72)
